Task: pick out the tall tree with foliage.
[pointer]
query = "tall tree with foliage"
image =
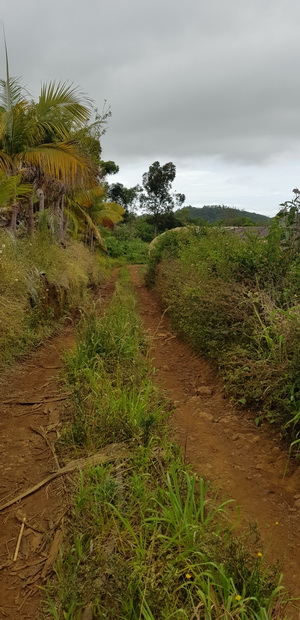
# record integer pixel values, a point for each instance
(157, 197)
(125, 196)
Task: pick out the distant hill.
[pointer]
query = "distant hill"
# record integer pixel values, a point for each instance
(221, 213)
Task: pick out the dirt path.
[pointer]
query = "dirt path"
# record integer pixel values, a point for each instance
(246, 463)
(32, 401)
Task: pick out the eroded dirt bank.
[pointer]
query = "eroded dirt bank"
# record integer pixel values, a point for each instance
(32, 401)
(246, 463)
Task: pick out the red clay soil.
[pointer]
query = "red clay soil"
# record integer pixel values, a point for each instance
(32, 400)
(243, 461)
(246, 463)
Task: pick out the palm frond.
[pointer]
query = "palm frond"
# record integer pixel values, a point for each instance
(63, 162)
(109, 211)
(16, 137)
(64, 99)
(94, 228)
(11, 91)
(73, 219)
(12, 190)
(86, 197)
(6, 163)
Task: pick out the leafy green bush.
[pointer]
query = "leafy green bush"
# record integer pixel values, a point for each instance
(133, 251)
(134, 228)
(237, 301)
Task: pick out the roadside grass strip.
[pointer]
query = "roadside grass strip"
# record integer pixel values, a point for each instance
(147, 538)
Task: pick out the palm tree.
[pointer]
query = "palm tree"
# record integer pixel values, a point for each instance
(88, 211)
(36, 138)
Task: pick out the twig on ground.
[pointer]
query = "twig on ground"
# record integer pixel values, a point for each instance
(35, 401)
(19, 539)
(53, 551)
(111, 452)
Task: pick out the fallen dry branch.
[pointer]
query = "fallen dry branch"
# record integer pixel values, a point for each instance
(36, 401)
(111, 452)
(52, 553)
(43, 433)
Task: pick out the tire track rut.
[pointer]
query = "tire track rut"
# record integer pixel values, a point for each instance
(247, 463)
(32, 402)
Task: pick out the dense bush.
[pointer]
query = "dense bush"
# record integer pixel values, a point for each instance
(237, 301)
(133, 251)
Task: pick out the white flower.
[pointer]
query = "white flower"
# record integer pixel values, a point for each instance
(16, 279)
(3, 245)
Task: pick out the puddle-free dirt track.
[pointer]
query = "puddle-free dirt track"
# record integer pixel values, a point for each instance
(32, 401)
(246, 463)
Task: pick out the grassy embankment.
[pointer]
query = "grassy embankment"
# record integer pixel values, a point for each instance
(40, 283)
(147, 538)
(238, 302)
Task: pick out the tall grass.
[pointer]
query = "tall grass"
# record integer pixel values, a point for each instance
(147, 538)
(237, 301)
(39, 283)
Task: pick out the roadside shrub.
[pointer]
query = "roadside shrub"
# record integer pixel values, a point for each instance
(237, 301)
(207, 313)
(39, 282)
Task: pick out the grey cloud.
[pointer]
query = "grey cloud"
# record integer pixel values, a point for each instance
(194, 79)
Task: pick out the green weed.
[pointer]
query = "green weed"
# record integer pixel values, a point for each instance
(148, 538)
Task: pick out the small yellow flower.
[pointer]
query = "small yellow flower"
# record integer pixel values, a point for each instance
(238, 597)
(276, 522)
(188, 576)
(259, 555)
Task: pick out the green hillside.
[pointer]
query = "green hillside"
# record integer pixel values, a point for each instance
(217, 213)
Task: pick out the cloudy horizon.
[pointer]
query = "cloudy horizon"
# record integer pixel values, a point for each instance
(211, 85)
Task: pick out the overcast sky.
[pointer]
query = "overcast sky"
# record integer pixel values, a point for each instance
(212, 85)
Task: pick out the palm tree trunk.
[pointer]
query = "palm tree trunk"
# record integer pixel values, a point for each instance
(14, 214)
(66, 222)
(30, 224)
(60, 218)
(54, 207)
(41, 197)
(91, 240)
